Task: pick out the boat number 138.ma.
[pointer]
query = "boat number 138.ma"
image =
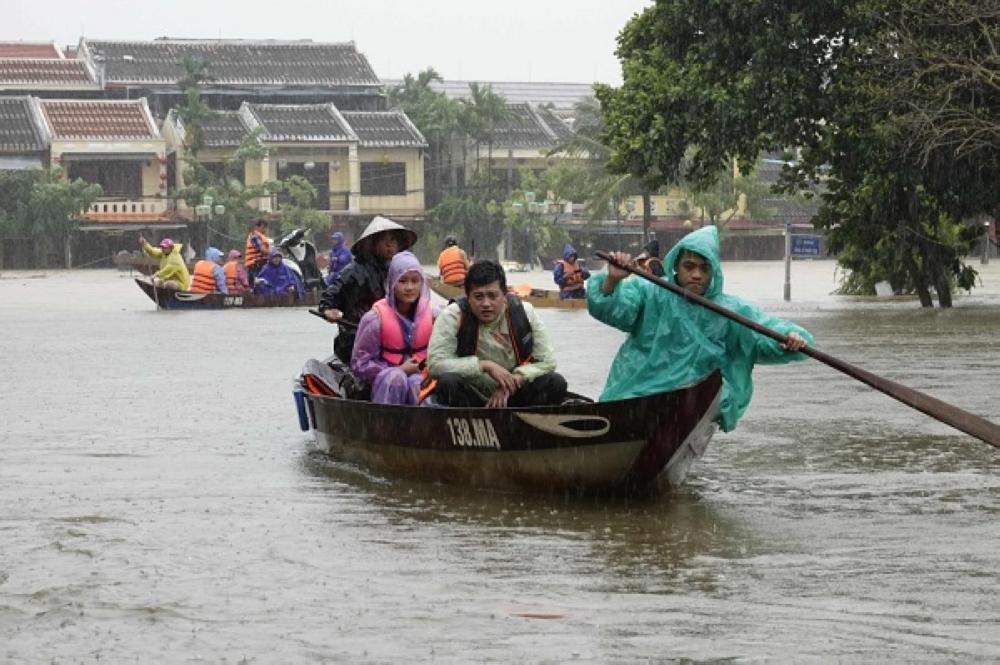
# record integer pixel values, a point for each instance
(472, 433)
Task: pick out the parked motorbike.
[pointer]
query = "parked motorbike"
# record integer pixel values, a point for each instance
(299, 254)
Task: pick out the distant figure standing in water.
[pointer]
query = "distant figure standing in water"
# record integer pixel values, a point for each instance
(672, 342)
(569, 275)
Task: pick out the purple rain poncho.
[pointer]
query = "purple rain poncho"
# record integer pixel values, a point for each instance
(390, 385)
(276, 279)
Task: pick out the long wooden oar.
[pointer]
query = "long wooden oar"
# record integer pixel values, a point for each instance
(949, 414)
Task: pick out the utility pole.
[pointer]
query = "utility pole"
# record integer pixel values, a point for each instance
(788, 261)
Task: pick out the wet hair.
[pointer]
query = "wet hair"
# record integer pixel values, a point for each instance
(685, 252)
(485, 272)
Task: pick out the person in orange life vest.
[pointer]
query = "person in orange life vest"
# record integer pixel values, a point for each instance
(569, 275)
(257, 249)
(453, 263)
(208, 275)
(393, 335)
(237, 283)
(490, 349)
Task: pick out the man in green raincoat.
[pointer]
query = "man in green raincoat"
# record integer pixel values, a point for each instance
(672, 342)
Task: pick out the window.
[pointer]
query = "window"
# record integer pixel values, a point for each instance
(383, 179)
(117, 179)
(318, 175)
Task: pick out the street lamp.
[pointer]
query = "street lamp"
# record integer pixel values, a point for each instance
(986, 243)
(205, 211)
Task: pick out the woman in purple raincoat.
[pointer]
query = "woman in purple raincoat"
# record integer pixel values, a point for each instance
(275, 278)
(392, 337)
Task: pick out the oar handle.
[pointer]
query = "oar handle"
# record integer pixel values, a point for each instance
(949, 414)
(346, 324)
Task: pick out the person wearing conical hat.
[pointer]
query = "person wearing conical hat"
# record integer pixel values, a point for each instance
(361, 283)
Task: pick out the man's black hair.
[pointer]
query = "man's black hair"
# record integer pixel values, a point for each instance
(485, 272)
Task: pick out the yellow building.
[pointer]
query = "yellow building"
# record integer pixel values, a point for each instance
(361, 163)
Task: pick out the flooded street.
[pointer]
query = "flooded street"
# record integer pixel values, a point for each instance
(158, 502)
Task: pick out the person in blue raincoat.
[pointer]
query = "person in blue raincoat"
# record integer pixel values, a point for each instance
(340, 256)
(276, 278)
(672, 342)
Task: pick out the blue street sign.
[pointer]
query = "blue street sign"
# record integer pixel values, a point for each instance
(805, 245)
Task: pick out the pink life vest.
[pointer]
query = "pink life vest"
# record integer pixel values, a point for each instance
(394, 349)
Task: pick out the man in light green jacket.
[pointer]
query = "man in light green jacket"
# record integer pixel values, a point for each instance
(173, 272)
(672, 342)
(489, 349)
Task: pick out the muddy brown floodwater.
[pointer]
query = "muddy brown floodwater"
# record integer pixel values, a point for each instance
(158, 502)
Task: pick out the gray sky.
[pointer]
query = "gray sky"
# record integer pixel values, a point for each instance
(511, 40)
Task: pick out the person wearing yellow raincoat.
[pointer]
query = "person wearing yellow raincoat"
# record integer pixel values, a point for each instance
(173, 272)
(673, 342)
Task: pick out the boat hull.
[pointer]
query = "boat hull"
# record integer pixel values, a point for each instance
(633, 446)
(537, 297)
(171, 299)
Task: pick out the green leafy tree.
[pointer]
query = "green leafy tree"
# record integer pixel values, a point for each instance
(300, 211)
(55, 206)
(476, 219)
(527, 220)
(704, 83)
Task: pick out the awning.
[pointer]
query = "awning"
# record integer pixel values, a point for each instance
(107, 156)
(133, 226)
(19, 163)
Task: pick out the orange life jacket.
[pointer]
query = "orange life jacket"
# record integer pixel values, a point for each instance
(572, 276)
(451, 266)
(252, 256)
(232, 272)
(394, 347)
(203, 277)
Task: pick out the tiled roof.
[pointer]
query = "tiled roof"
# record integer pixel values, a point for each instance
(384, 129)
(226, 128)
(235, 62)
(559, 129)
(523, 129)
(103, 119)
(298, 122)
(29, 50)
(563, 96)
(28, 72)
(18, 131)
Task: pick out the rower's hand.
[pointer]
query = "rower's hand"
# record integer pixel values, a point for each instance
(794, 342)
(498, 400)
(505, 380)
(411, 366)
(333, 315)
(142, 240)
(616, 273)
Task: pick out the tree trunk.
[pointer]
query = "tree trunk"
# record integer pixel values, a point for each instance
(943, 287)
(647, 216)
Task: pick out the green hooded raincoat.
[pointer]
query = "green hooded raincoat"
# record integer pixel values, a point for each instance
(673, 342)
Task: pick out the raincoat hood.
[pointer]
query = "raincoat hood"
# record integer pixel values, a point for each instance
(568, 251)
(705, 243)
(213, 254)
(364, 245)
(274, 251)
(402, 263)
(337, 238)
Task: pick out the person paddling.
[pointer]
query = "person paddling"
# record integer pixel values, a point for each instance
(173, 272)
(672, 342)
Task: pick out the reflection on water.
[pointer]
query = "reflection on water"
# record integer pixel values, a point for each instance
(160, 504)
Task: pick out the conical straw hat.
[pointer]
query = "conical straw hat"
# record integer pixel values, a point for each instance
(380, 224)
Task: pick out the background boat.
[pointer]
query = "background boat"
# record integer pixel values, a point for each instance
(537, 297)
(171, 299)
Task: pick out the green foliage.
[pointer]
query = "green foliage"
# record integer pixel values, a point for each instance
(15, 193)
(473, 217)
(194, 112)
(526, 217)
(883, 97)
(300, 212)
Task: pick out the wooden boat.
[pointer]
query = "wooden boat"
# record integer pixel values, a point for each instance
(537, 297)
(171, 299)
(635, 446)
